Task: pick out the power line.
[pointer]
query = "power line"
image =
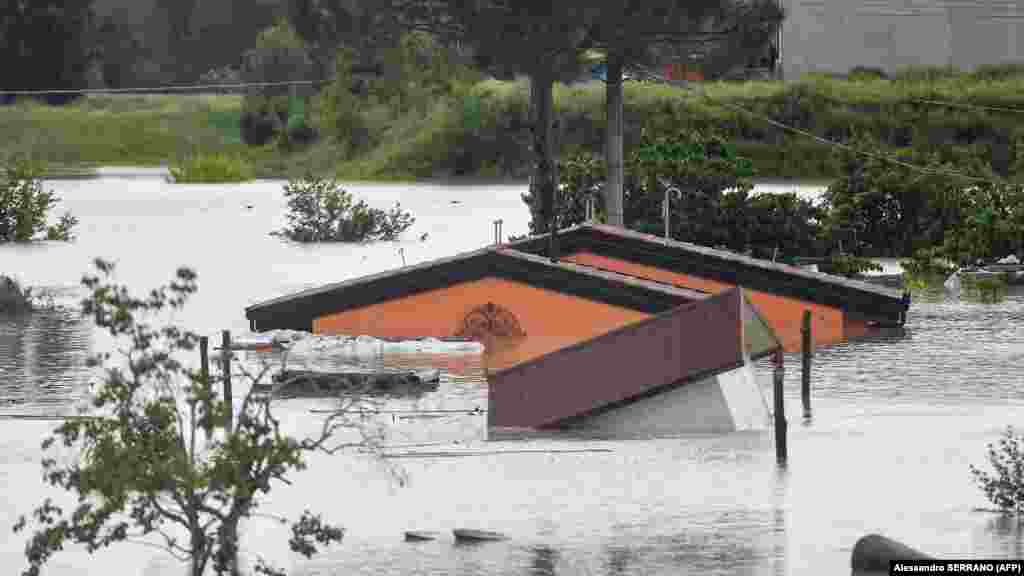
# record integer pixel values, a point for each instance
(700, 92)
(166, 88)
(968, 106)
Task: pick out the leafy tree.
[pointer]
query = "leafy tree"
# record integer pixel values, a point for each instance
(46, 41)
(629, 31)
(1004, 488)
(898, 211)
(24, 205)
(325, 25)
(160, 459)
(320, 211)
(541, 40)
(118, 51)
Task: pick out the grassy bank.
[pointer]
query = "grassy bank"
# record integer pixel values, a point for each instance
(441, 138)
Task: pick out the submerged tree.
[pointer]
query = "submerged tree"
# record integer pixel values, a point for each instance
(24, 205)
(161, 463)
(1005, 487)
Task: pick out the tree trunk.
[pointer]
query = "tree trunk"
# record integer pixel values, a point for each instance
(613, 141)
(229, 546)
(544, 184)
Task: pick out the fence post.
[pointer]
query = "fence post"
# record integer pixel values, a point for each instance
(204, 370)
(805, 381)
(226, 351)
(780, 410)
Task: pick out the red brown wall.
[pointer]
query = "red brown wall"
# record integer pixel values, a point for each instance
(784, 314)
(551, 320)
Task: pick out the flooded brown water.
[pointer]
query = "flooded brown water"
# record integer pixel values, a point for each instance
(896, 420)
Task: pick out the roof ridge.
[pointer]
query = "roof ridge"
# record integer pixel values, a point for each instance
(644, 278)
(742, 258)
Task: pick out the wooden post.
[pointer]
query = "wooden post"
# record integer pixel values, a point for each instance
(780, 411)
(805, 381)
(226, 351)
(204, 369)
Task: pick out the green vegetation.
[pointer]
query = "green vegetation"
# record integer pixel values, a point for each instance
(434, 137)
(163, 454)
(120, 130)
(985, 288)
(320, 211)
(24, 206)
(212, 168)
(1005, 487)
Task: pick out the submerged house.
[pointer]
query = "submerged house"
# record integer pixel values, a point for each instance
(521, 306)
(566, 345)
(621, 333)
(686, 370)
(841, 308)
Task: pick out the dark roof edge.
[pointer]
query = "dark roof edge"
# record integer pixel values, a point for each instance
(367, 279)
(650, 285)
(746, 260)
(725, 255)
(644, 283)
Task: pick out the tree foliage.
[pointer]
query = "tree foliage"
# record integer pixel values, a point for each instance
(24, 206)
(321, 211)
(159, 462)
(45, 44)
(1005, 486)
(899, 211)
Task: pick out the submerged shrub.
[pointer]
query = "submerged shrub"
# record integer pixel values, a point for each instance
(24, 206)
(13, 297)
(211, 168)
(927, 263)
(849, 266)
(321, 211)
(1005, 487)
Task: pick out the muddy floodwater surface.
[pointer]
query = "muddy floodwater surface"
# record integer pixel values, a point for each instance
(896, 419)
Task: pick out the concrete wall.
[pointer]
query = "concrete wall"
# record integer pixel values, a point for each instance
(836, 35)
(725, 403)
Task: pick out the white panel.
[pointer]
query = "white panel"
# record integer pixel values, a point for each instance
(745, 399)
(697, 407)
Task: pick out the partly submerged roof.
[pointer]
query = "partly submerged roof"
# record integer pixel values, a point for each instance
(722, 265)
(297, 311)
(639, 360)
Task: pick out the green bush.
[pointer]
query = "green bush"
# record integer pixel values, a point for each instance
(847, 265)
(24, 205)
(211, 168)
(14, 298)
(927, 263)
(1005, 487)
(715, 207)
(320, 211)
(997, 72)
(985, 288)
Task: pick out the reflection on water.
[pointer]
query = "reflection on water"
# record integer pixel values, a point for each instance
(42, 359)
(898, 416)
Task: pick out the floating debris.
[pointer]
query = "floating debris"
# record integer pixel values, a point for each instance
(467, 535)
(420, 536)
(313, 384)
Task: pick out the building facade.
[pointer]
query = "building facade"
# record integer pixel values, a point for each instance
(837, 35)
